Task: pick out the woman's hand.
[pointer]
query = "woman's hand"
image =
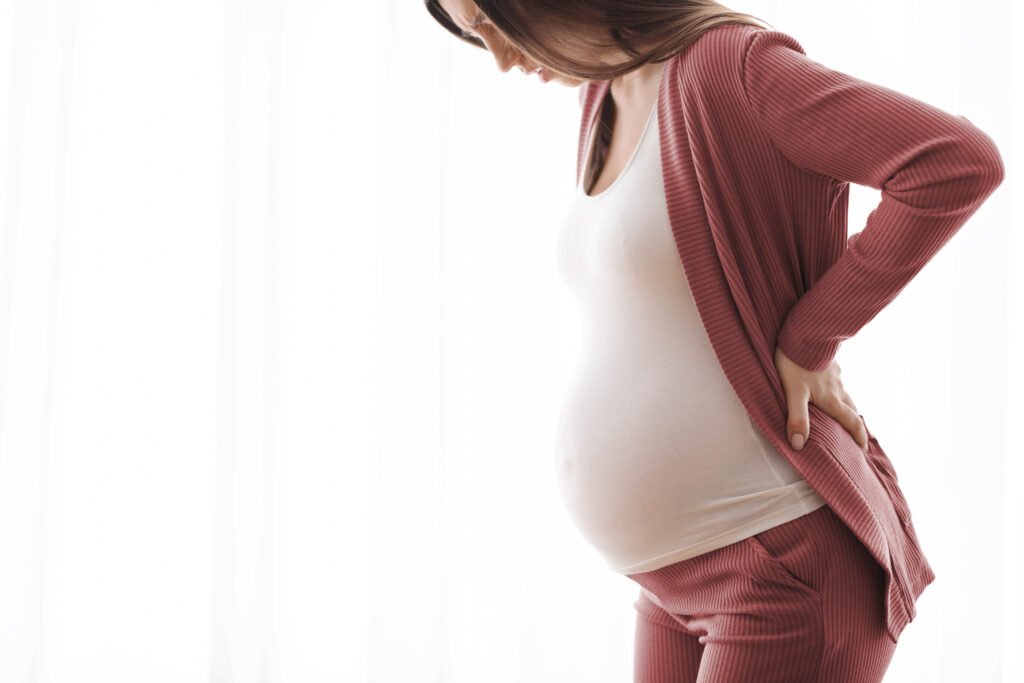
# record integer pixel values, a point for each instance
(823, 389)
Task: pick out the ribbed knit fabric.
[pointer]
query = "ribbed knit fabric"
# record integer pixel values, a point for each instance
(797, 603)
(758, 146)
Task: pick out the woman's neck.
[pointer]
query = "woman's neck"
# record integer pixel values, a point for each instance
(636, 86)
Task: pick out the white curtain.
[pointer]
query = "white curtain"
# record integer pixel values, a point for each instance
(282, 343)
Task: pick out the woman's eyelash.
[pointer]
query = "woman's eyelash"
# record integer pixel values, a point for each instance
(479, 21)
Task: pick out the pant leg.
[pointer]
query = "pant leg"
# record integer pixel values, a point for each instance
(801, 601)
(663, 652)
(820, 551)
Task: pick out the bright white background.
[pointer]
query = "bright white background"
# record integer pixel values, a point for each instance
(282, 343)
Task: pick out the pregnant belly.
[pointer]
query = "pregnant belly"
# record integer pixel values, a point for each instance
(642, 449)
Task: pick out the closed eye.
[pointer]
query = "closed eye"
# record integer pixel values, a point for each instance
(477, 21)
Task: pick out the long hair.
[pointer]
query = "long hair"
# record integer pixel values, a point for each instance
(563, 35)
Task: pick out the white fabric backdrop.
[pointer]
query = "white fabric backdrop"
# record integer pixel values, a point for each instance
(282, 343)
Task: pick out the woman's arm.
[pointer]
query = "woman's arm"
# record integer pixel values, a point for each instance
(934, 170)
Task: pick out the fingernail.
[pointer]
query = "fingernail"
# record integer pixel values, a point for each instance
(798, 441)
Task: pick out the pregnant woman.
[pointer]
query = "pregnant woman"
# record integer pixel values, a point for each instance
(706, 446)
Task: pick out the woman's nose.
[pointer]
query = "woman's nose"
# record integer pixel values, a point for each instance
(505, 54)
(504, 61)
(506, 57)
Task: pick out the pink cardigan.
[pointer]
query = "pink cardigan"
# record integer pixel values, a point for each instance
(758, 146)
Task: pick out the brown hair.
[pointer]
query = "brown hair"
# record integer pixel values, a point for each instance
(561, 33)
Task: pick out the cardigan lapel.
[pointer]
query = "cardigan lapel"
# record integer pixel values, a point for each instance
(592, 95)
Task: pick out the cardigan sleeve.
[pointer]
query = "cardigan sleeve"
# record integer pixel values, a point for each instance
(934, 170)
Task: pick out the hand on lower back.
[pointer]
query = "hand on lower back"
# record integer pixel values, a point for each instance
(825, 390)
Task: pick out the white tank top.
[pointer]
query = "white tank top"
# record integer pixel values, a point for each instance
(656, 458)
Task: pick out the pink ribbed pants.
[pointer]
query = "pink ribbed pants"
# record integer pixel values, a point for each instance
(800, 602)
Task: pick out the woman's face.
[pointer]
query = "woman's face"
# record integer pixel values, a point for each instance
(470, 19)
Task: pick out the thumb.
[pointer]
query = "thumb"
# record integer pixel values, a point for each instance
(797, 421)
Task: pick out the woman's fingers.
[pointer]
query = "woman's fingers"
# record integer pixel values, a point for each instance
(848, 399)
(850, 419)
(797, 422)
(853, 422)
(823, 389)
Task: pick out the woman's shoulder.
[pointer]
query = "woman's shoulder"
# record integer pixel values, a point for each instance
(729, 44)
(719, 49)
(712, 67)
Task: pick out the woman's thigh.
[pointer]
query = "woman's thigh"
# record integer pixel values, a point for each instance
(663, 652)
(802, 601)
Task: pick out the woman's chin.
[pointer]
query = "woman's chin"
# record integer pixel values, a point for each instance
(567, 81)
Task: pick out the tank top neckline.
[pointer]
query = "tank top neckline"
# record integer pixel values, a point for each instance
(629, 162)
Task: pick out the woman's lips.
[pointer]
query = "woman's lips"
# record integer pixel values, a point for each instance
(543, 74)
